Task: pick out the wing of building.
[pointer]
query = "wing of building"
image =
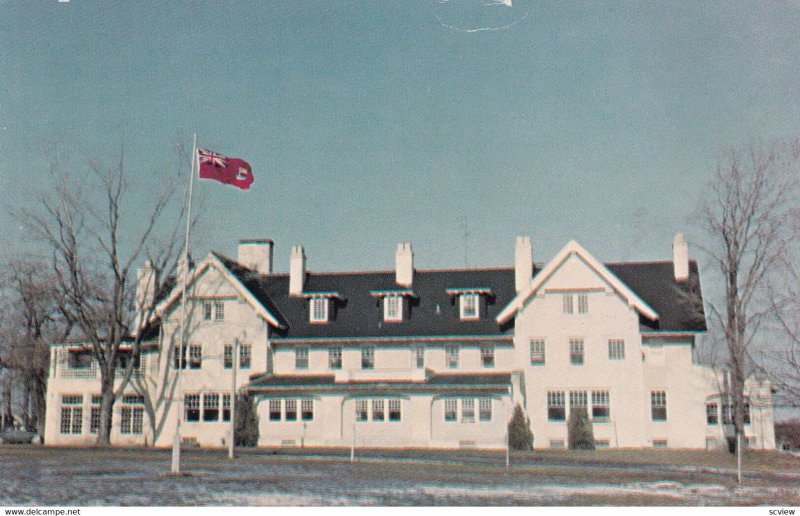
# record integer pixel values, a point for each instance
(421, 358)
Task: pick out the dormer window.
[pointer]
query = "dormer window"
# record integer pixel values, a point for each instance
(469, 306)
(319, 310)
(469, 301)
(393, 308)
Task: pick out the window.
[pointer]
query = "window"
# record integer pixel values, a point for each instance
(191, 404)
(712, 417)
(71, 414)
(208, 310)
(555, 406)
(195, 357)
(659, 443)
(94, 414)
(335, 358)
(132, 413)
(601, 444)
(469, 306)
(556, 444)
(307, 410)
(319, 309)
(80, 359)
(226, 407)
(467, 410)
(301, 357)
(227, 357)
(245, 354)
(419, 356)
(577, 400)
(211, 407)
(537, 352)
(362, 413)
(450, 409)
(213, 310)
(601, 405)
(616, 349)
(583, 303)
(274, 410)
(394, 410)
(728, 414)
(576, 351)
(746, 413)
(377, 410)
(487, 355)
(219, 310)
(658, 405)
(368, 357)
(291, 410)
(485, 409)
(392, 308)
(567, 303)
(176, 357)
(452, 356)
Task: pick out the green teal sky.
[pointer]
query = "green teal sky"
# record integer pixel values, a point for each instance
(373, 123)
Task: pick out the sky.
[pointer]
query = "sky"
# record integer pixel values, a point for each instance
(455, 125)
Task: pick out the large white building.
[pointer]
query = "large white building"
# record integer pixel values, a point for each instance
(420, 358)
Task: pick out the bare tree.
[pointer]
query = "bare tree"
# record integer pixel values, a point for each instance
(749, 217)
(97, 238)
(783, 362)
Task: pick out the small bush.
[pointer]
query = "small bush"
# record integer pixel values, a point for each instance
(579, 430)
(520, 436)
(246, 421)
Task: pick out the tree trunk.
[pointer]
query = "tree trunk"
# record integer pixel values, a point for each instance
(106, 406)
(8, 419)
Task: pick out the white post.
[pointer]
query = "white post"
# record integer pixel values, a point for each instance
(176, 440)
(231, 445)
(508, 464)
(508, 440)
(739, 457)
(353, 446)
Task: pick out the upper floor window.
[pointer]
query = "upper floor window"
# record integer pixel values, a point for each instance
(227, 356)
(567, 303)
(245, 354)
(537, 352)
(301, 357)
(195, 356)
(469, 306)
(658, 405)
(368, 357)
(213, 310)
(335, 358)
(452, 356)
(319, 309)
(487, 355)
(583, 303)
(576, 351)
(392, 308)
(419, 356)
(616, 349)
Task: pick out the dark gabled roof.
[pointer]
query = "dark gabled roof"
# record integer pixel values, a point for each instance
(466, 380)
(433, 312)
(679, 304)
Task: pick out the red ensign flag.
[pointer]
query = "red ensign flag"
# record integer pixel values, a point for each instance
(231, 171)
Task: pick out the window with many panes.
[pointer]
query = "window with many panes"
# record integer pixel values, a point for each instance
(485, 409)
(335, 358)
(467, 410)
(368, 357)
(191, 405)
(377, 410)
(392, 308)
(658, 405)
(219, 310)
(208, 310)
(578, 400)
(319, 310)
(469, 306)
(307, 410)
(452, 356)
(450, 409)
(727, 414)
(394, 410)
(195, 356)
(487, 355)
(601, 405)
(362, 410)
(245, 356)
(576, 351)
(132, 413)
(537, 352)
(291, 410)
(555, 406)
(71, 414)
(213, 310)
(227, 356)
(616, 349)
(210, 407)
(94, 414)
(275, 410)
(301, 357)
(179, 361)
(712, 416)
(418, 352)
(583, 303)
(226, 407)
(567, 303)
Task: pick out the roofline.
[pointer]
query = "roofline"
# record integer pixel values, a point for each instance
(392, 338)
(672, 333)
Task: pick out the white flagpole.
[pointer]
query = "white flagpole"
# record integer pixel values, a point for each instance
(176, 441)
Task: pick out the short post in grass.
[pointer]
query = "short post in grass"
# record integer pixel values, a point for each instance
(353, 446)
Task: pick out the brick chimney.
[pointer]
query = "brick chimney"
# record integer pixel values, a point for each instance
(404, 261)
(523, 263)
(256, 255)
(297, 270)
(680, 257)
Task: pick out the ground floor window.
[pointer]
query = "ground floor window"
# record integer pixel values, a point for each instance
(362, 412)
(287, 409)
(377, 410)
(94, 414)
(226, 407)
(658, 406)
(484, 406)
(450, 409)
(555, 406)
(394, 410)
(712, 417)
(307, 410)
(71, 414)
(391, 413)
(132, 414)
(275, 410)
(210, 406)
(601, 405)
(659, 443)
(727, 414)
(467, 410)
(191, 405)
